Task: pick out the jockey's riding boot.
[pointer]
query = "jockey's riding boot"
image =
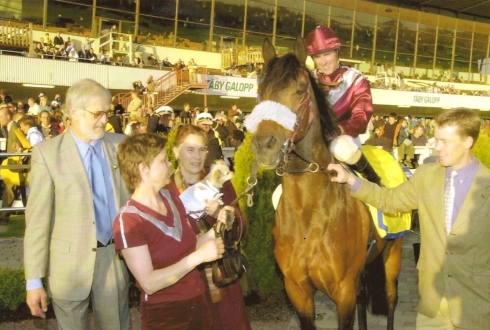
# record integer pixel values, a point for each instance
(364, 167)
(347, 151)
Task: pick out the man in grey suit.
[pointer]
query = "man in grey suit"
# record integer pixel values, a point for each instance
(453, 200)
(8, 126)
(66, 238)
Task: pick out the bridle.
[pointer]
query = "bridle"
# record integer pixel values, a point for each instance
(301, 127)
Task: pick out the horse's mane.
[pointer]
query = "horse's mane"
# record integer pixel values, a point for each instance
(277, 75)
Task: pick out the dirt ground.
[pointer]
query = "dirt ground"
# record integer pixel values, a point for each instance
(265, 315)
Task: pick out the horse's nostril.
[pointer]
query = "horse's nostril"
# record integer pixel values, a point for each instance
(272, 140)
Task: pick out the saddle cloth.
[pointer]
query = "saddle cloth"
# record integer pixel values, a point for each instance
(388, 225)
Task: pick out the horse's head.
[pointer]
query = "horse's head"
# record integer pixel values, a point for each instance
(288, 108)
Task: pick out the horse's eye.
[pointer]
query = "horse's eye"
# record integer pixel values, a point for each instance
(301, 92)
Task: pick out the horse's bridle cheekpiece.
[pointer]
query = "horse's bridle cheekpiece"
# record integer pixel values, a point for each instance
(294, 121)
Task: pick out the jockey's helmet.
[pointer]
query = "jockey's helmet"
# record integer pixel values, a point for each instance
(321, 39)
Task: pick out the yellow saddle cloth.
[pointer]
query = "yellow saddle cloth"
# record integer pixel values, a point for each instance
(389, 225)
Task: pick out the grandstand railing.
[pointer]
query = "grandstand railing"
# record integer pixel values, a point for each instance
(15, 35)
(170, 86)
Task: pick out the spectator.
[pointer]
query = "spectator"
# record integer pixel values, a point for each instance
(115, 119)
(47, 40)
(204, 121)
(34, 108)
(153, 120)
(387, 136)
(39, 50)
(43, 103)
(91, 56)
(406, 151)
(152, 60)
(138, 57)
(166, 122)
(83, 54)
(220, 126)
(137, 124)
(150, 88)
(418, 137)
(21, 106)
(192, 66)
(29, 127)
(185, 115)
(135, 102)
(47, 128)
(58, 41)
(70, 47)
(72, 56)
(166, 63)
(237, 138)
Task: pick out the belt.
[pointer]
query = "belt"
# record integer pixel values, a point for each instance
(100, 245)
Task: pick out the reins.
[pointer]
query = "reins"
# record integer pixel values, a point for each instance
(232, 257)
(288, 148)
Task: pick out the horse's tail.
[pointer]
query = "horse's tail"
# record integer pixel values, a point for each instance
(375, 278)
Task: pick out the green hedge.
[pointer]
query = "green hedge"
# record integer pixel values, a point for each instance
(257, 245)
(481, 150)
(12, 288)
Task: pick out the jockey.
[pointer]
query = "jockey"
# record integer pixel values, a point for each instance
(349, 94)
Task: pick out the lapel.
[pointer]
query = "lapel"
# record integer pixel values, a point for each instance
(477, 195)
(436, 182)
(72, 162)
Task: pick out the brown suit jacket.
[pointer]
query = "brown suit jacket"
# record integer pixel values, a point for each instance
(60, 238)
(456, 265)
(11, 137)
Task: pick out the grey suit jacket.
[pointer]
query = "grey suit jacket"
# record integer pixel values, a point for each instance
(456, 265)
(60, 238)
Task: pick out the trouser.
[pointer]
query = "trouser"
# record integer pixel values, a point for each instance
(109, 297)
(403, 150)
(8, 197)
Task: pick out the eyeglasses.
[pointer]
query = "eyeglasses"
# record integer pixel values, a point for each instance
(98, 114)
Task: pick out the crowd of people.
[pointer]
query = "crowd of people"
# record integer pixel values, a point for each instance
(130, 215)
(58, 48)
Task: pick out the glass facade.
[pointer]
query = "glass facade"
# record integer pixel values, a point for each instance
(433, 45)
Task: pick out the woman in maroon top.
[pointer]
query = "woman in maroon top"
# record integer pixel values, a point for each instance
(158, 243)
(228, 310)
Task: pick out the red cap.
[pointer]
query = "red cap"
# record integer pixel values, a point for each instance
(321, 39)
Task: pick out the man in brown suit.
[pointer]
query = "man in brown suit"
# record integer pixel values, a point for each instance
(68, 238)
(454, 267)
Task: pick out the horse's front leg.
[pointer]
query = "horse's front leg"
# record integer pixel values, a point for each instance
(301, 295)
(345, 299)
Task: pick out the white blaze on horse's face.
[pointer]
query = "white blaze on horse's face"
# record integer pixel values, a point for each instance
(272, 124)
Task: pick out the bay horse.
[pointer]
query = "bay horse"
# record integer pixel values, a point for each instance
(320, 231)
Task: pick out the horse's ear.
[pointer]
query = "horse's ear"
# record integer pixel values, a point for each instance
(300, 50)
(268, 51)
